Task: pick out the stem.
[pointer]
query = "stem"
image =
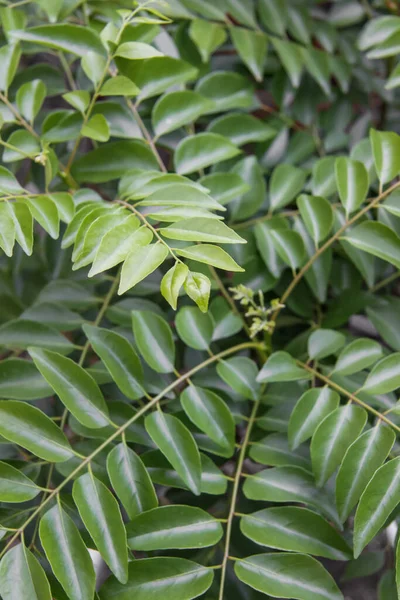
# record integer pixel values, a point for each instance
(235, 492)
(18, 116)
(349, 395)
(125, 426)
(68, 72)
(146, 134)
(385, 281)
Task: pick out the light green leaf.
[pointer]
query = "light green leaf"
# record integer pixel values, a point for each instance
(194, 327)
(153, 337)
(377, 239)
(311, 409)
(202, 230)
(93, 65)
(210, 255)
(386, 151)
(317, 214)
(352, 181)
(62, 36)
(379, 499)
(358, 355)
(295, 529)
(286, 182)
(140, 262)
(136, 51)
(15, 486)
(280, 366)
(119, 86)
(120, 359)
(240, 373)
(23, 224)
(79, 99)
(385, 376)
(30, 98)
(97, 129)
(196, 152)
(181, 195)
(252, 49)
(76, 389)
(130, 481)
(10, 55)
(333, 437)
(172, 283)
(67, 554)
(324, 342)
(177, 109)
(22, 576)
(291, 58)
(45, 212)
(101, 516)
(198, 287)
(207, 36)
(177, 444)
(360, 462)
(323, 182)
(7, 229)
(173, 527)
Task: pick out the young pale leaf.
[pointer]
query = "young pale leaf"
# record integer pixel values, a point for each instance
(75, 39)
(210, 414)
(172, 283)
(377, 239)
(67, 554)
(324, 342)
(154, 339)
(386, 151)
(28, 427)
(119, 86)
(210, 255)
(202, 230)
(289, 484)
(177, 444)
(252, 48)
(358, 355)
(296, 530)
(240, 373)
(311, 409)
(361, 461)
(79, 99)
(120, 358)
(15, 486)
(385, 376)
(317, 215)
(190, 580)
(140, 262)
(280, 366)
(194, 327)
(352, 181)
(97, 128)
(22, 576)
(290, 247)
(202, 150)
(30, 98)
(136, 51)
(101, 516)
(198, 287)
(286, 182)
(379, 499)
(130, 480)
(288, 575)
(76, 389)
(333, 437)
(177, 109)
(173, 527)
(207, 36)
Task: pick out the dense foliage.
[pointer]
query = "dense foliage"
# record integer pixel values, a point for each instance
(199, 323)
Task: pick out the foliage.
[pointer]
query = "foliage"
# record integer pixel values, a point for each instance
(228, 427)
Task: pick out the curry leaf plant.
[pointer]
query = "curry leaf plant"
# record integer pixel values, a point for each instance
(199, 322)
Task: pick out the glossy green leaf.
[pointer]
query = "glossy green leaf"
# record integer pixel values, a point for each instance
(153, 337)
(172, 283)
(286, 182)
(352, 181)
(176, 109)
(273, 450)
(15, 486)
(198, 287)
(386, 151)
(12, 371)
(240, 373)
(97, 129)
(136, 51)
(385, 376)
(280, 366)
(317, 215)
(10, 55)
(119, 86)
(140, 262)
(289, 246)
(202, 150)
(79, 99)
(377, 239)
(210, 255)
(310, 410)
(291, 57)
(207, 36)
(202, 230)
(358, 355)
(30, 98)
(62, 36)
(252, 48)
(324, 342)
(194, 327)
(18, 334)
(22, 576)
(240, 129)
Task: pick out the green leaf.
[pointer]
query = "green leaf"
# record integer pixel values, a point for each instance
(194, 327)
(386, 151)
(7, 229)
(119, 357)
(177, 109)
(30, 98)
(101, 516)
(288, 575)
(173, 527)
(273, 450)
(377, 239)
(295, 529)
(252, 49)
(210, 255)
(172, 283)
(153, 337)
(360, 462)
(207, 36)
(45, 212)
(286, 182)
(15, 486)
(240, 373)
(140, 262)
(210, 414)
(352, 181)
(97, 129)
(289, 246)
(227, 90)
(177, 444)
(10, 55)
(79, 99)
(310, 410)
(273, 14)
(119, 86)
(291, 58)
(22, 576)
(136, 51)
(202, 150)
(358, 355)
(317, 215)
(240, 129)
(333, 437)
(181, 195)
(379, 499)
(248, 202)
(280, 366)
(15, 370)
(23, 224)
(130, 481)
(323, 182)
(19, 333)
(67, 554)
(324, 342)
(202, 230)
(76, 389)
(151, 578)
(385, 376)
(28, 427)
(318, 65)
(198, 287)
(62, 36)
